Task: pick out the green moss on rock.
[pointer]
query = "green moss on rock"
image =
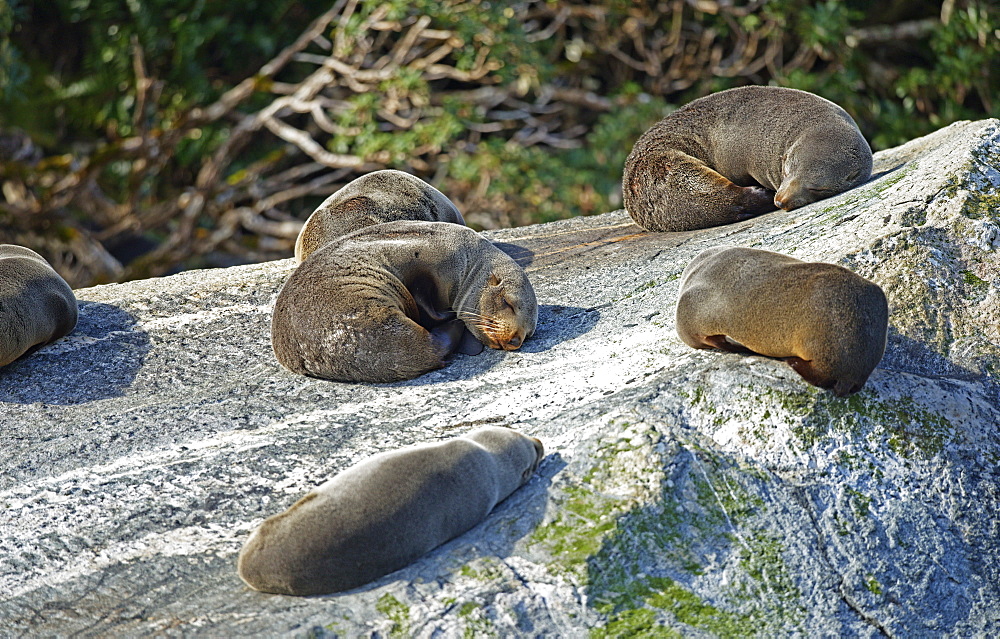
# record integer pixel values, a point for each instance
(868, 192)
(477, 624)
(585, 517)
(976, 288)
(397, 612)
(641, 623)
(980, 204)
(484, 569)
(860, 503)
(640, 557)
(641, 605)
(910, 430)
(872, 584)
(762, 557)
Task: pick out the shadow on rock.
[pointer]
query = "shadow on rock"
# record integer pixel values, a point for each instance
(523, 256)
(558, 324)
(907, 355)
(882, 171)
(98, 360)
(555, 324)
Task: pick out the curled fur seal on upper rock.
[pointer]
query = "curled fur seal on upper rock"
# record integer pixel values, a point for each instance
(392, 301)
(381, 196)
(37, 306)
(386, 512)
(738, 153)
(826, 322)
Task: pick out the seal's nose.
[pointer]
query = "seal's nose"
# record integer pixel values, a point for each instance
(513, 343)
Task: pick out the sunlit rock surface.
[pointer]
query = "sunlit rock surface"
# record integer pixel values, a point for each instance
(687, 492)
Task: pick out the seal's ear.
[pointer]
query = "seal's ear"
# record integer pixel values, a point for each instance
(494, 280)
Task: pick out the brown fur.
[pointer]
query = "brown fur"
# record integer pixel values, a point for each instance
(826, 322)
(386, 512)
(37, 306)
(392, 301)
(381, 196)
(738, 153)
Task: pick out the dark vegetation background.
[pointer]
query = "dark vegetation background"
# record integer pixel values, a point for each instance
(141, 137)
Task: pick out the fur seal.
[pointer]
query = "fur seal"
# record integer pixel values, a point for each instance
(381, 196)
(386, 512)
(741, 152)
(392, 301)
(826, 322)
(37, 306)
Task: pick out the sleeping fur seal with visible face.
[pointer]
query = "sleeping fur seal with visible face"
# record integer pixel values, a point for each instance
(393, 301)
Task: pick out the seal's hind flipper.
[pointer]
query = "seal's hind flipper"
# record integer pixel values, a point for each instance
(665, 189)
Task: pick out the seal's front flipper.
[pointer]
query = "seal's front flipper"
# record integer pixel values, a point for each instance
(428, 300)
(723, 344)
(470, 345)
(427, 311)
(753, 201)
(449, 338)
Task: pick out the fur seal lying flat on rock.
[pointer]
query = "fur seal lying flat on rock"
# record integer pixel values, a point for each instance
(826, 322)
(37, 306)
(386, 512)
(392, 301)
(381, 196)
(719, 159)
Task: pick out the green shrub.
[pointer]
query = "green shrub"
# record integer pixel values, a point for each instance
(153, 126)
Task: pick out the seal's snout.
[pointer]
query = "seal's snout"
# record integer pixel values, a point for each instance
(784, 202)
(503, 336)
(499, 342)
(788, 195)
(846, 388)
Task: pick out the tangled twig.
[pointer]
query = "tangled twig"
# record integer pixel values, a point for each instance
(128, 208)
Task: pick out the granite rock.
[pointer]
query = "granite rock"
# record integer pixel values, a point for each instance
(684, 492)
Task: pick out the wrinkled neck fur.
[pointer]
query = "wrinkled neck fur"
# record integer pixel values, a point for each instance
(465, 294)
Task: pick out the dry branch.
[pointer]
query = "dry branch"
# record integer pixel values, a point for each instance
(252, 207)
